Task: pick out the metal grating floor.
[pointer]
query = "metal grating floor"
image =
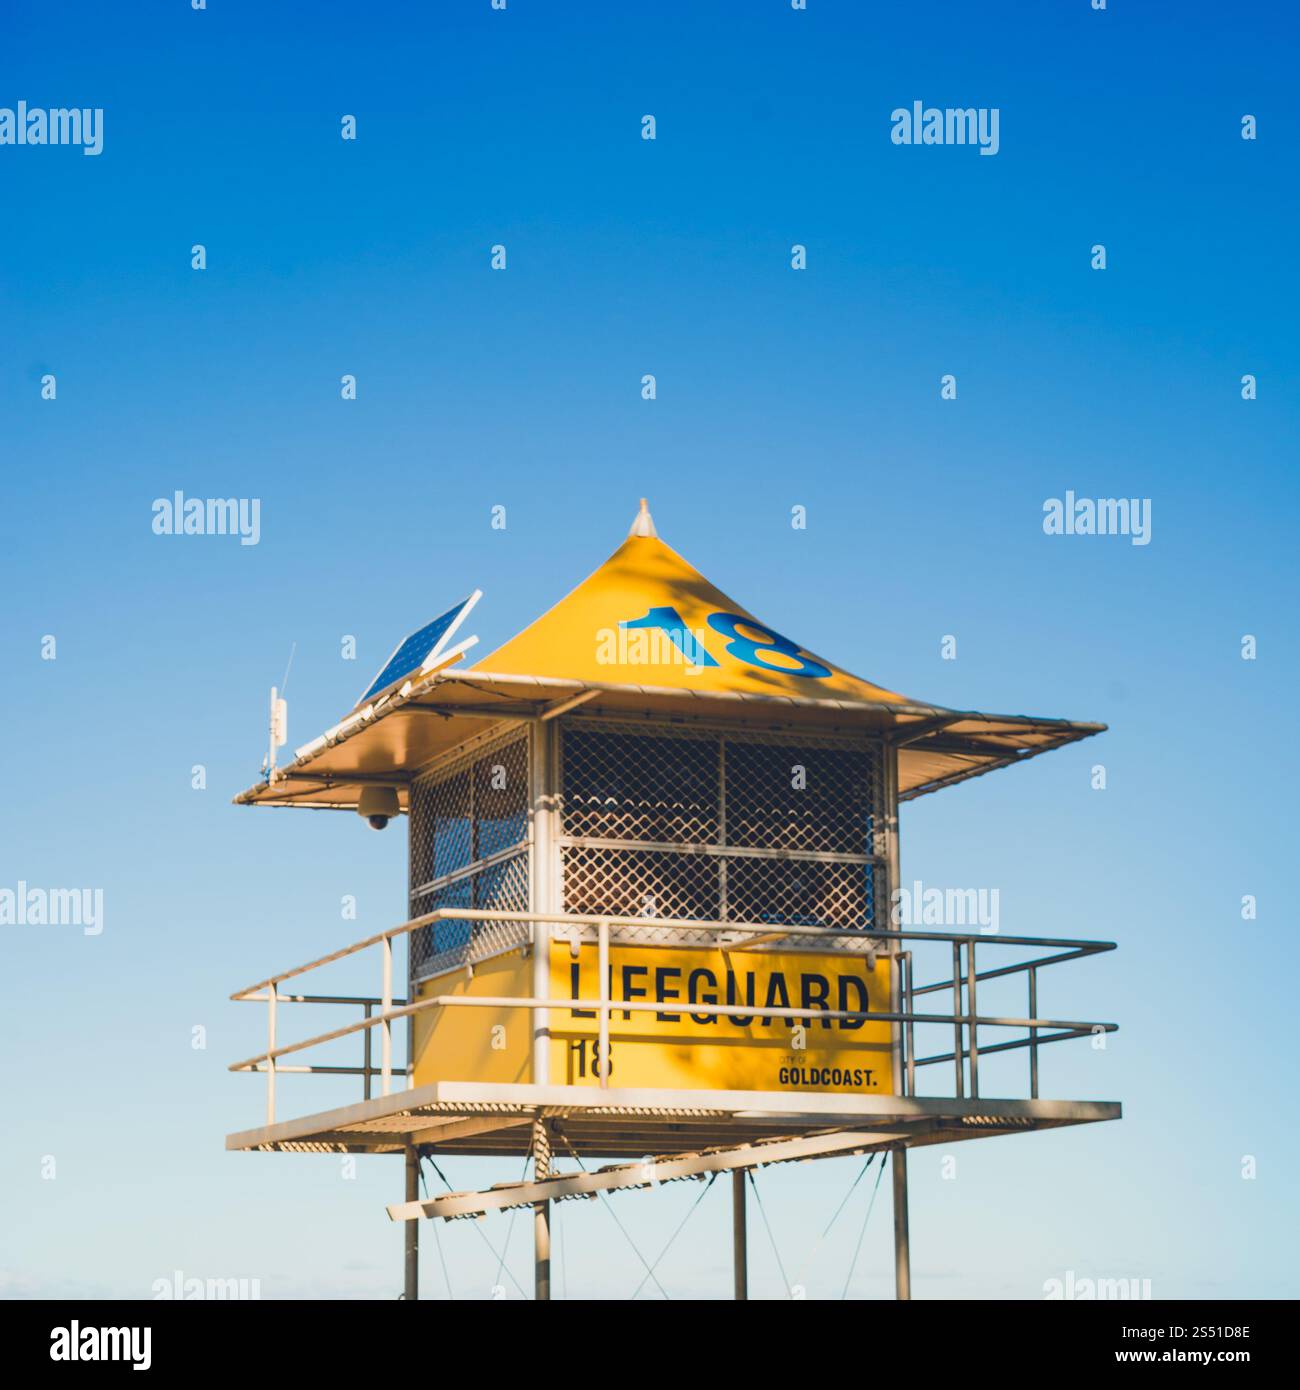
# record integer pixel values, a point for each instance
(473, 1119)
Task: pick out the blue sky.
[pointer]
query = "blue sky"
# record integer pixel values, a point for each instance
(521, 388)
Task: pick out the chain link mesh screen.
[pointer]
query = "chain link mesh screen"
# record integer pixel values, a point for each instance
(655, 821)
(792, 796)
(639, 786)
(801, 893)
(641, 883)
(469, 811)
(721, 827)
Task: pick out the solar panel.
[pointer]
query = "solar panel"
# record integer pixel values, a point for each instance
(421, 649)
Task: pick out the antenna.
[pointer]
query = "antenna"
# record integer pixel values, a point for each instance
(284, 684)
(279, 730)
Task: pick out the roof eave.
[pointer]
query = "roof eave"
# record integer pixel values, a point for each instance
(922, 727)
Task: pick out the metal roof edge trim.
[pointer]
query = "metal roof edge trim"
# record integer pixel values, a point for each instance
(389, 704)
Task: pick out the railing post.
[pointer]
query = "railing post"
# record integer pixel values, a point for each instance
(365, 1090)
(386, 1042)
(1032, 972)
(956, 1017)
(909, 1008)
(602, 965)
(270, 1060)
(893, 873)
(974, 1030)
(544, 885)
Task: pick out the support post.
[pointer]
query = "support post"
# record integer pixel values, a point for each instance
(740, 1235)
(902, 1243)
(411, 1290)
(541, 1215)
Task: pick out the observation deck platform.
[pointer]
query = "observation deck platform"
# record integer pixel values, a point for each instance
(457, 1117)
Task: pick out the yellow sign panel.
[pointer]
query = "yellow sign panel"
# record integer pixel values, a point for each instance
(673, 1045)
(676, 1046)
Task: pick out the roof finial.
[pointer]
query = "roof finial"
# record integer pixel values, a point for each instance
(643, 525)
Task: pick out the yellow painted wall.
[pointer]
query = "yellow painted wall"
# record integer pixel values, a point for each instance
(476, 1044)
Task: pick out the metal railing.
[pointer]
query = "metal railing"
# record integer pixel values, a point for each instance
(964, 1019)
(268, 1062)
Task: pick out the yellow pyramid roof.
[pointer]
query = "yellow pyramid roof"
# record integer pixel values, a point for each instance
(647, 616)
(646, 633)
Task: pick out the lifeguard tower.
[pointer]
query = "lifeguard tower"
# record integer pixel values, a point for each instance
(653, 849)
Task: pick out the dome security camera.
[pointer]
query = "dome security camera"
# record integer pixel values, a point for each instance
(378, 805)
